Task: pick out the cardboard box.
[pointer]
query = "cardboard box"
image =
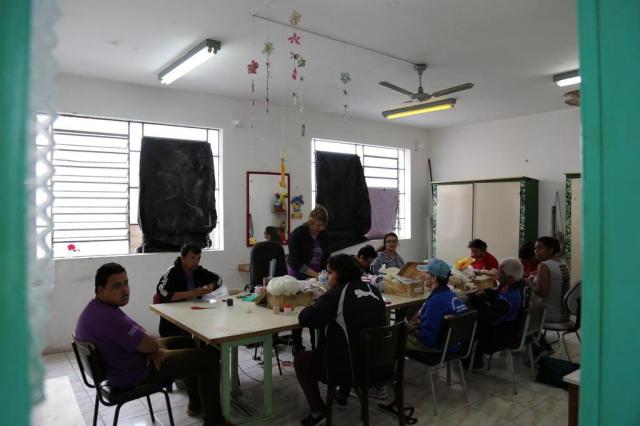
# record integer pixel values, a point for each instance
(484, 283)
(300, 299)
(415, 289)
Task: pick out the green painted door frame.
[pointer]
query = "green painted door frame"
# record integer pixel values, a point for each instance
(609, 35)
(15, 20)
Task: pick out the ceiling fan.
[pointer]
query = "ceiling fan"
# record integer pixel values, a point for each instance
(420, 95)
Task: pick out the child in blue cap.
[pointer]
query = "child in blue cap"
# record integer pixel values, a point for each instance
(441, 302)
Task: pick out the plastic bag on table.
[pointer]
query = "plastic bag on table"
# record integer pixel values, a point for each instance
(219, 292)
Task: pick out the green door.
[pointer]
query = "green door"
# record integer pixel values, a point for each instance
(14, 94)
(609, 38)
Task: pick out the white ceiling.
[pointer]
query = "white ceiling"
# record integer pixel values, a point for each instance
(508, 48)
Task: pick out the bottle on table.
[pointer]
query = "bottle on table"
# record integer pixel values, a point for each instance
(323, 278)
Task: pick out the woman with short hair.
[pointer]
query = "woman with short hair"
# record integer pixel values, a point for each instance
(308, 255)
(309, 246)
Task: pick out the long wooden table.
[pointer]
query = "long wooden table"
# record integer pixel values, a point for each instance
(229, 327)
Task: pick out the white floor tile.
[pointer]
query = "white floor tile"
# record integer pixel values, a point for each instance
(490, 394)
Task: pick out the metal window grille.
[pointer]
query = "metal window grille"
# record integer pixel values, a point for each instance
(384, 167)
(95, 183)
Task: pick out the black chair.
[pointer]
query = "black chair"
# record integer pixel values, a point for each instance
(382, 351)
(457, 330)
(261, 254)
(565, 322)
(571, 303)
(530, 323)
(90, 365)
(276, 340)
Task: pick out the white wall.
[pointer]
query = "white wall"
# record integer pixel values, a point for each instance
(541, 146)
(243, 149)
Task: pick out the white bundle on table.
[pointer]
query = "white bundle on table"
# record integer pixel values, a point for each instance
(283, 286)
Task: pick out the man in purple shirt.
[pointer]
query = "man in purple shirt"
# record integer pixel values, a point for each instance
(131, 356)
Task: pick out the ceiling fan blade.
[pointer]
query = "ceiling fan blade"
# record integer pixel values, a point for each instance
(396, 88)
(453, 89)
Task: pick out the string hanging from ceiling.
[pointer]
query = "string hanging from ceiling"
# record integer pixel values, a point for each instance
(268, 51)
(252, 70)
(299, 64)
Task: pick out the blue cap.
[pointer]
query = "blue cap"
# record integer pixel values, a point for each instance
(438, 267)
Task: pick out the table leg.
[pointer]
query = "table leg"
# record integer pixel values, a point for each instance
(268, 364)
(574, 393)
(235, 380)
(225, 355)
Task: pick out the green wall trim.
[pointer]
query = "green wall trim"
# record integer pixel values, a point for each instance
(568, 208)
(434, 217)
(530, 213)
(15, 24)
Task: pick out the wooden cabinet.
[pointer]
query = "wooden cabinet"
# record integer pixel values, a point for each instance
(502, 212)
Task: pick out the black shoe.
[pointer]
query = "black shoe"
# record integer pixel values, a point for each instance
(310, 420)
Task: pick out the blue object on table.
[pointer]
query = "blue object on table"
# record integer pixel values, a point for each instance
(249, 297)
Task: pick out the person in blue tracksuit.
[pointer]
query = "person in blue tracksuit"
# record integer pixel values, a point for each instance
(441, 302)
(499, 310)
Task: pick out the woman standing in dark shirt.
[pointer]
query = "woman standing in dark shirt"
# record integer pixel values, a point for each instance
(308, 255)
(309, 246)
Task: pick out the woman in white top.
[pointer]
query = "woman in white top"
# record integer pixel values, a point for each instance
(552, 279)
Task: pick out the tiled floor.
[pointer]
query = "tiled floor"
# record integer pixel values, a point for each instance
(491, 400)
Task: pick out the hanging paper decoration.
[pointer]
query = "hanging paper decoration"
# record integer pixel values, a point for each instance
(268, 51)
(296, 205)
(283, 178)
(345, 78)
(299, 63)
(295, 19)
(252, 69)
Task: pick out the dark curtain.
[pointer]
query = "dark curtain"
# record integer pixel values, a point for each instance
(342, 189)
(177, 194)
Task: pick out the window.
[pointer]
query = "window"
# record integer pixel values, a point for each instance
(96, 183)
(384, 167)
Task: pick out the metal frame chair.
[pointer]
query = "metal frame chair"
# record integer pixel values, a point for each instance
(90, 364)
(382, 352)
(459, 330)
(529, 332)
(571, 302)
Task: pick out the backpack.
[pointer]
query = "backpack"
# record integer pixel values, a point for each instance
(552, 370)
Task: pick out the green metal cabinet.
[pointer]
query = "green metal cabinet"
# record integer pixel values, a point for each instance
(502, 212)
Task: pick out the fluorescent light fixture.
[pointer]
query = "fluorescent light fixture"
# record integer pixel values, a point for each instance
(194, 57)
(567, 78)
(419, 108)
